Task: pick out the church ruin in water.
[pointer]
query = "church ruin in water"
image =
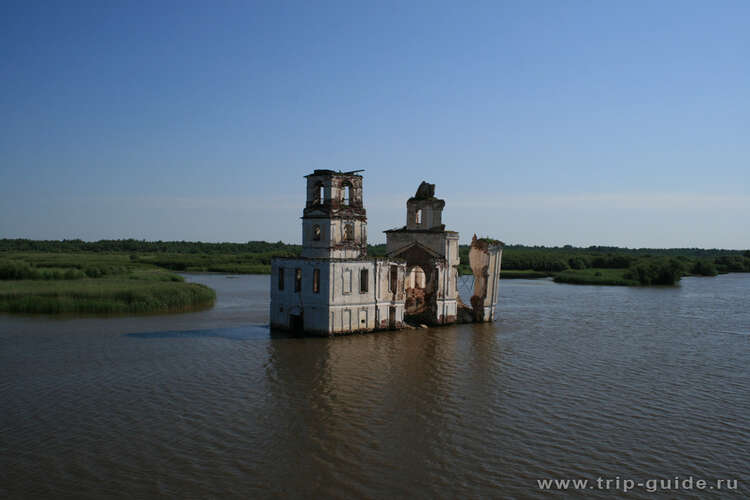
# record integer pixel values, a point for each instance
(333, 287)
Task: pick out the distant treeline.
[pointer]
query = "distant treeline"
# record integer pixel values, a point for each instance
(253, 257)
(642, 265)
(556, 259)
(141, 246)
(133, 245)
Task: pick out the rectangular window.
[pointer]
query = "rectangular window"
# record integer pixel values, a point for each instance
(393, 287)
(363, 281)
(281, 278)
(297, 280)
(347, 277)
(316, 281)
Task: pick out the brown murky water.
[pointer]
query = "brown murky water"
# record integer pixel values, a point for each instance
(571, 382)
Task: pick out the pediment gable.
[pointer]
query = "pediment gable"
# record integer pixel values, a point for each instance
(415, 246)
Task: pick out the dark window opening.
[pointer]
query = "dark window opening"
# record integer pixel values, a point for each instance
(349, 232)
(316, 280)
(297, 323)
(364, 277)
(316, 233)
(393, 285)
(281, 278)
(297, 280)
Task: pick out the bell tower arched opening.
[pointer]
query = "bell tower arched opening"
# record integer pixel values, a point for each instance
(334, 220)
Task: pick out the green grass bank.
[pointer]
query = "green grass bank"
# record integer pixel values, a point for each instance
(83, 283)
(594, 276)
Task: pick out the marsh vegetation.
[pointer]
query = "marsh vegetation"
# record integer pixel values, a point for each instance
(82, 283)
(134, 276)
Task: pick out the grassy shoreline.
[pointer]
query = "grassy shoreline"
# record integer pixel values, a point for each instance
(595, 276)
(133, 277)
(40, 283)
(111, 296)
(525, 274)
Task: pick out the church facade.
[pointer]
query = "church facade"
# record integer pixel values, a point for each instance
(333, 287)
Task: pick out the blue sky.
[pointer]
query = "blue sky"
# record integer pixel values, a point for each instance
(540, 122)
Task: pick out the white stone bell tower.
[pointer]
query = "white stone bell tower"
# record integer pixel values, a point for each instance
(334, 222)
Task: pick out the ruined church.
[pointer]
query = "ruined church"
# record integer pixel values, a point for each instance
(334, 288)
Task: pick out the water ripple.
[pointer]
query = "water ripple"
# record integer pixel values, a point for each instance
(571, 382)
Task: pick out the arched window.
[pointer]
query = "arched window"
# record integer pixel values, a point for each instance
(418, 216)
(319, 194)
(346, 193)
(416, 278)
(316, 280)
(316, 232)
(349, 232)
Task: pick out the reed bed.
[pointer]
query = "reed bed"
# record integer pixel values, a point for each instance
(103, 296)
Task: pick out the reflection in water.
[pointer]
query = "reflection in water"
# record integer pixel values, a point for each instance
(236, 333)
(570, 382)
(384, 405)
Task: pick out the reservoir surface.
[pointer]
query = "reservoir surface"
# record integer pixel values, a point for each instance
(571, 382)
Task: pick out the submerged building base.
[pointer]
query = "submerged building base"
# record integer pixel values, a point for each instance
(336, 296)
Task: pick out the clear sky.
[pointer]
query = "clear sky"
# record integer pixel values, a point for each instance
(541, 122)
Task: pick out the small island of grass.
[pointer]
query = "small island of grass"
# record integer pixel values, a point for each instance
(53, 283)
